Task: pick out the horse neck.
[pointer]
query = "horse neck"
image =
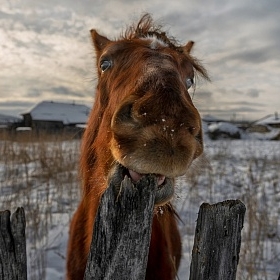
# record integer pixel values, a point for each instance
(96, 157)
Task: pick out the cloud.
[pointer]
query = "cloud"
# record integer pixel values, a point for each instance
(253, 93)
(61, 90)
(15, 108)
(206, 96)
(48, 53)
(255, 56)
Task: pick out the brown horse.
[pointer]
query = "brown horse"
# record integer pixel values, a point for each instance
(143, 120)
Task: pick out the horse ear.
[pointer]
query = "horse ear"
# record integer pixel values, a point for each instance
(99, 41)
(188, 47)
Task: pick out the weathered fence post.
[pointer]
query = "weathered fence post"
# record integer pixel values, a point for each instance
(217, 241)
(120, 246)
(121, 239)
(13, 263)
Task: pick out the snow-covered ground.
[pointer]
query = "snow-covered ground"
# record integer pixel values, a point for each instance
(245, 170)
(43, 178)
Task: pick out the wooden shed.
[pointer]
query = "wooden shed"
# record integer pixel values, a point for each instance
(56, 116)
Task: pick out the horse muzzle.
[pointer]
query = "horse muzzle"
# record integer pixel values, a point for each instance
(164, 185)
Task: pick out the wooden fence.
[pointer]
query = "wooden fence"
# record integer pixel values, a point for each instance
(120, 244)
(12, 246)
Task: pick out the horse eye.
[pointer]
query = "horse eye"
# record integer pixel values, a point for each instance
(189, 82)
(105, 65)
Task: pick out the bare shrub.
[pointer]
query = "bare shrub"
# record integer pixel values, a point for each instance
(41, 175)
(245, 170)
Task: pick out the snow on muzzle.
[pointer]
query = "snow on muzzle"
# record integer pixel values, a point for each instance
(165, 185)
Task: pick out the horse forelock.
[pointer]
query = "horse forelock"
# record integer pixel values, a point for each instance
(147, 28)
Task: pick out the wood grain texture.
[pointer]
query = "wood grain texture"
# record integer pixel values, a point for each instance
(217, 241)
(13, 263)
(121, 238)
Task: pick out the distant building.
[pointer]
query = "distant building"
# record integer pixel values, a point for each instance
(267, 128)
(211, 119)
(265, 124)
(223, 130)
(270, 120)
(56, 116)
(8, 122)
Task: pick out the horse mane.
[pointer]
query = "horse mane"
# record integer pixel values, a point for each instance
(146, 28)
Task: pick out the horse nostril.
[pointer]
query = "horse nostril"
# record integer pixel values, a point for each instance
(124, 113)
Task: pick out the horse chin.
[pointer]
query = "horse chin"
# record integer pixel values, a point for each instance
(165, 185)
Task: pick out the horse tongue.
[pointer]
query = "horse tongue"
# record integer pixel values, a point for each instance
(161, 179)
(134, 175)
(137, 176)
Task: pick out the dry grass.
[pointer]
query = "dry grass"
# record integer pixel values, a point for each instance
(41, 174)
(248, 171)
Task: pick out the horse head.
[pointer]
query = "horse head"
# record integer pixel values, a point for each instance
(147, 122)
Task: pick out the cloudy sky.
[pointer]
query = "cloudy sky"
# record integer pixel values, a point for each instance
(46, 52)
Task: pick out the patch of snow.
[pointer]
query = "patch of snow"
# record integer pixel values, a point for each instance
(23, 128)
(81, 125)
(223, 126)
(271, 119)
(241, 169)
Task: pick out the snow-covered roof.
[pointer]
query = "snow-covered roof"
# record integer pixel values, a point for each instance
(5, 119)
(271, 119)
(223, 126)
(68, 113)
(210, 118)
